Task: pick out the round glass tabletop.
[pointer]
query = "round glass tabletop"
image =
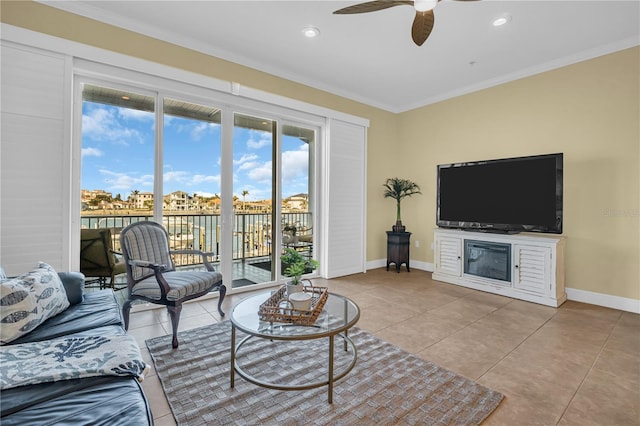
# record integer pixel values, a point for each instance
(339, 313)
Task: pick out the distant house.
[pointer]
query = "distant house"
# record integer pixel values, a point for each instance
(178, 201)
(120, 205)
(95, 199)
(142, 200)
(297, 202)
(87, 194)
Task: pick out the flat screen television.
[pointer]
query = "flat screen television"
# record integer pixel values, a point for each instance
(507, 195)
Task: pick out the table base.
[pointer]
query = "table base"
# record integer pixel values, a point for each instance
(332, 376)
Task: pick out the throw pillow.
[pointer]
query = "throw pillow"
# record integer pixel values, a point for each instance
(28, 300)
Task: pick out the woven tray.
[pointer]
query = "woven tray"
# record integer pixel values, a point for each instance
(271, 310)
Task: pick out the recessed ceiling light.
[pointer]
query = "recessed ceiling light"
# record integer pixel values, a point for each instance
(501, 20)
(311, 32)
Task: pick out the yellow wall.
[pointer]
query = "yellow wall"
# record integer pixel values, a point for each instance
(589, 111)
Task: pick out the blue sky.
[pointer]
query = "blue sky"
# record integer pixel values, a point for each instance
(118, 155)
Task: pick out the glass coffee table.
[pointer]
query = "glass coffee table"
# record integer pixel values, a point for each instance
(338, 316)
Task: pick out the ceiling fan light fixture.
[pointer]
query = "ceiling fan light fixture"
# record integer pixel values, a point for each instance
(501, 20)
(310, 32)
(424, 5)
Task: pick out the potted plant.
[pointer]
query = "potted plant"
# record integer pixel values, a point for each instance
(294, 265)
(397, 189)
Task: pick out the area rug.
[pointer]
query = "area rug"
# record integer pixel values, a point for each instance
(388, 386)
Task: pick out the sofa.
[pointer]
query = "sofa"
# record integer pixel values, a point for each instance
(95, 400)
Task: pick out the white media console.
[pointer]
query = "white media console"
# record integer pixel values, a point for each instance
(523, 266)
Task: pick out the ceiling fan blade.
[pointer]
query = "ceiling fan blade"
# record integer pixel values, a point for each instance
(422, 26)
(372, 6)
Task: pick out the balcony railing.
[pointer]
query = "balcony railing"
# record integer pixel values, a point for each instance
(252, 232)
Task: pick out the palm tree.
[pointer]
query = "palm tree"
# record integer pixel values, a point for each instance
(133, 195)
(244, 198)
(397, 189)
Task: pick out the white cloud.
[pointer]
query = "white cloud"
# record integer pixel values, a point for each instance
(195, 129)
(95, 121)
(245, 158)
(255, 170)
(249, 165)
(126, 182)
(261, 173)
(103, 124)
(246, 162)
(136, 114)
(202, 128)
(92, 152)
(198, 179)
(200, 184)
(295, 170)
(258, 139)
(295, 163)
(175, 177)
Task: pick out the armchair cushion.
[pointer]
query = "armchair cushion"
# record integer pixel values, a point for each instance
(28, 300)
(181, 284)
(306, 238)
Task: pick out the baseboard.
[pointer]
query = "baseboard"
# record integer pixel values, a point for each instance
(423, 266)
(413, 264)
(606, 300)
(375, 264)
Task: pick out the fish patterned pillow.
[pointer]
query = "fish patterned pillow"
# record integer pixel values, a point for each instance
(28, 300)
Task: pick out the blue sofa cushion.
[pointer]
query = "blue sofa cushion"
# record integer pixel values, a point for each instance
(98, 309)
(111, 401)
(74, 286)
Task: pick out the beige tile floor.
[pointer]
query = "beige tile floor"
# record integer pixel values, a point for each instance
(575, 365)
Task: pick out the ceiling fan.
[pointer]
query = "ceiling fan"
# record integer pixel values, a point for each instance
(422, 23)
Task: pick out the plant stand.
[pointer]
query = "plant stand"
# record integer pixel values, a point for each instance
(398, 249)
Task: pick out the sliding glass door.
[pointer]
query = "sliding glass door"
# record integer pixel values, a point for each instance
(272, 195)
(191, 144)
(117, 159)
(254, 144)
(298, 193)
(146, 156)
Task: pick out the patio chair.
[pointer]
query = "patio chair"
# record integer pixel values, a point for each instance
(152, 275)
(306, 236)
(97, 258)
